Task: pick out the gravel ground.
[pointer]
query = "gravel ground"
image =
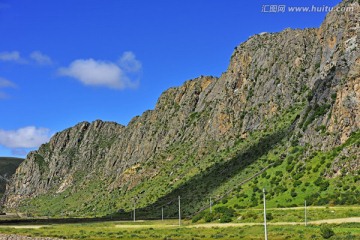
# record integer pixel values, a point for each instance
(18, 237)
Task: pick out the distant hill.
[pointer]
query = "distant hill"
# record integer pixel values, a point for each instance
(8, 166)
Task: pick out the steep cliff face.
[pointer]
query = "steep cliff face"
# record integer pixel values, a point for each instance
(307, 79)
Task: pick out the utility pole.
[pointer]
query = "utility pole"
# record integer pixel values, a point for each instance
(134, 211)
(265, 227)
(305, 215)
(179, 212)
(162, 213)
(210, 205)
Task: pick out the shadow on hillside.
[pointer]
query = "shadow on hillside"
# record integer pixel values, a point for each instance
(195, 193)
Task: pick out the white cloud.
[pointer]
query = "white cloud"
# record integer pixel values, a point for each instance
(92, 72)
(13, 56)
(27, 137)
(129, 63)
(103, 73)
(40, 58)
(4, 83)
(35, 57)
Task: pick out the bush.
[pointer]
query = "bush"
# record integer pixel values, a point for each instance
(318, 181)
(269, 216)
(225, 214)
(197, 217)
(237, 206)
(279, 173)
(225, 219)
(290, 159)
(289, 168)
(208, 217)
(225, 211)
(326, 232)
(297, 183)
(324, 186)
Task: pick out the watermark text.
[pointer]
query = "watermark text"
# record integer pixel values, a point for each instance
(278, 8)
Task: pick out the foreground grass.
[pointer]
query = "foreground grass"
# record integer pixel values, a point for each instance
(170, 230)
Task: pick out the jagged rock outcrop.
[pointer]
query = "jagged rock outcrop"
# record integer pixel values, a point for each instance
(313, 73)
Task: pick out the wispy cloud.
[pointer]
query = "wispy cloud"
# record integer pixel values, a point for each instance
(129, 63)
(13, 56)
(4, 83)
(36, 57)
(27, 137)
(40, 58)
(104, 73)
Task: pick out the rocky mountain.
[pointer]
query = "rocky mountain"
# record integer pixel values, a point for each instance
(286, 100)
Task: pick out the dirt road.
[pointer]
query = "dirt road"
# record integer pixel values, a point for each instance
(208, 225)
(330, 221)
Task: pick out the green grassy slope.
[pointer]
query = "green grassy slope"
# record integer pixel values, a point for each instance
(299, 175)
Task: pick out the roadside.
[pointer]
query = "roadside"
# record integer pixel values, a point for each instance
(318, 222)
(18, 237)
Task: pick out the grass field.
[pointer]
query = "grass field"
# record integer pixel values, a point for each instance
(283, 225)
(169, 230)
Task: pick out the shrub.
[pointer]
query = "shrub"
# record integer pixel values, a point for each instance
(289, 168)
(197, 217)
(208, 217)
(318, 181)
(290, 159)
(297, 183)
(326, 232)
(295, 150)
(225, 219)
(225, 211)
(269, 216)
(324, 186)
(225, 214)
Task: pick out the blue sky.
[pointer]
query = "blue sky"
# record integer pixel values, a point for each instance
(63, 62)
